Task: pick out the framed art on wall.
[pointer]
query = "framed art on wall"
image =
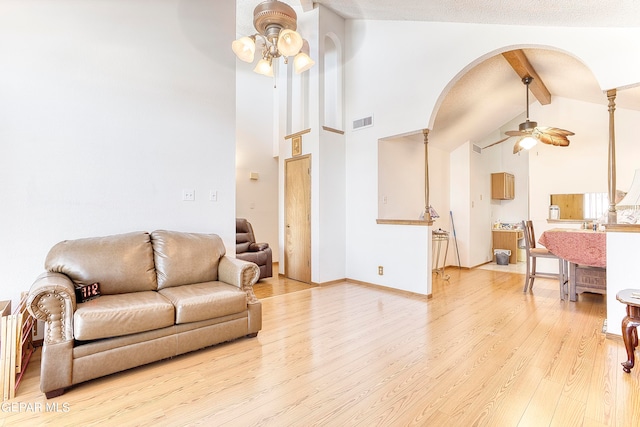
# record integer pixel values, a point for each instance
(296, 145)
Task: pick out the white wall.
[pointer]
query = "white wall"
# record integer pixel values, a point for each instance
(403, 92)
(516, 210)
(621, 274)
(482, 165)
(400, 178)
(487, 210)
(439, 184)
(440, 198)
(581, 167)
(331, 245)
(460, 179)
(256, 200)
(108, 110)
(301, 109)
(330, 264)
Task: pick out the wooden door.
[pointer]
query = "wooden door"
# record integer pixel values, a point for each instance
(297, 250)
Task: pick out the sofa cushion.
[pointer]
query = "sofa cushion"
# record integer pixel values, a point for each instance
(186, 258)
(120, 263)
(203, 301)
(117, 315)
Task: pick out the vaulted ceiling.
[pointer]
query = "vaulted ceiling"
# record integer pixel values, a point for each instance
(492, 93)
(572, 13)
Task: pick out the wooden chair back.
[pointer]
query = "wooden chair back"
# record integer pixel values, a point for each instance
(529, 235)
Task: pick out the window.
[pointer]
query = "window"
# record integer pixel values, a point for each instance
(596, 205)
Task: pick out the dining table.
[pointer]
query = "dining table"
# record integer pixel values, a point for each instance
(586, 253)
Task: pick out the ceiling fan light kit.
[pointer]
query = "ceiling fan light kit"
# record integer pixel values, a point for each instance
(528, 142)
(276, 23)
(530, 133)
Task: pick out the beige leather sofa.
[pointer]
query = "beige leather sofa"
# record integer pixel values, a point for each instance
(162, 294)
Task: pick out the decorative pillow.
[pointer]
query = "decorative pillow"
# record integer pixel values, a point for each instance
(86, 293)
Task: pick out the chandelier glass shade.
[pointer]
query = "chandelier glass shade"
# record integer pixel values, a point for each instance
(276, 23)
(244, 48)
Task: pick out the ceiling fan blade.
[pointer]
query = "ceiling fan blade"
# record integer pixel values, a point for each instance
(496, 143)
(555, 131)
(557, 140)
(517, 147)
(516, 133)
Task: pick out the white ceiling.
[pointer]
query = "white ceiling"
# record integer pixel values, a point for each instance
(491, 94)
(572, 13)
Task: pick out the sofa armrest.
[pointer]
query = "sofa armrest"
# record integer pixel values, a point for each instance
(242, 274)
(257, 247)
(52, 300)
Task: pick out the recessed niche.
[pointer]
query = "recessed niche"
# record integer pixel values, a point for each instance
(401, 177)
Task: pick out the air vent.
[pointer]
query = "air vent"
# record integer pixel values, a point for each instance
(477, 149)
(365, 122)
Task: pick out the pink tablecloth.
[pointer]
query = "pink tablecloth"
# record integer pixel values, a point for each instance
(584, 247)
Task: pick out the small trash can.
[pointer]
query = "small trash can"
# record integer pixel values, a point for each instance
(502, 256)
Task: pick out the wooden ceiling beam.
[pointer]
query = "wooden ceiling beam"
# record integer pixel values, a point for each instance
(521, 65)
(307, 5)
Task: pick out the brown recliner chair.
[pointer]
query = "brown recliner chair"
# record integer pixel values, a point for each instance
(248, 250)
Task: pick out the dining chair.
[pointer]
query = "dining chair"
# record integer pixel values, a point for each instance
(533, 254)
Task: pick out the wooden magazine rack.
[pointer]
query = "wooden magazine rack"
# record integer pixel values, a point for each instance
(16, 345)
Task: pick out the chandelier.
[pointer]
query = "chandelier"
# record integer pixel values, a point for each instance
(276, 23)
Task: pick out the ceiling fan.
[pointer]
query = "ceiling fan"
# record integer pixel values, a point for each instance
(530, 133)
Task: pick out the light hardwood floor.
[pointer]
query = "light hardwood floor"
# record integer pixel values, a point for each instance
(278, 285)
(480, 352)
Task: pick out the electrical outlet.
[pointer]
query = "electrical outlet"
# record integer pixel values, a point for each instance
(380, 270)
(188, 195)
